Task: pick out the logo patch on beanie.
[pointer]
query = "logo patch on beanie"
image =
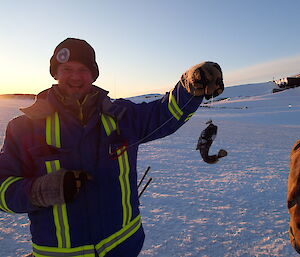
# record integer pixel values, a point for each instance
(63, 55)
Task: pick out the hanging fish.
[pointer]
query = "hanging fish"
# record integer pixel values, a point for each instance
(205, 140)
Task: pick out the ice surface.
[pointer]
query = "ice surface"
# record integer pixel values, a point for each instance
(236, 207)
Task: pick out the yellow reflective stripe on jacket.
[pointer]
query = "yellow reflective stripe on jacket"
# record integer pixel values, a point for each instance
(173, 107)
(46, 251)
(117, 238)
(59, 211)
(5, 184)
(125, 185)
(110, 125)
(189, 116)
(53, 130)
(102, 248)
(52, 166)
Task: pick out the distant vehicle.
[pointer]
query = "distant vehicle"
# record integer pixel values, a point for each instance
(286, 83)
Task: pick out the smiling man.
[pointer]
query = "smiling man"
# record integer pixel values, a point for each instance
(74, 66)
(74, 79)
(70, 161)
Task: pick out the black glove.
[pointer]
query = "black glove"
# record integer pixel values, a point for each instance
(204, 79)
(73, 181)
(57, 187)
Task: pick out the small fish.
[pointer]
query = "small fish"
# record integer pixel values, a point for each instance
(205, 141)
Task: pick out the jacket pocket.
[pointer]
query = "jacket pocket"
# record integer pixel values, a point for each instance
(42, 153)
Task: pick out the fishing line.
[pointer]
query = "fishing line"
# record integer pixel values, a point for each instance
(159, 127)
(210, 106)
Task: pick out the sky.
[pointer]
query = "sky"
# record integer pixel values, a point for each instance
(145, 46)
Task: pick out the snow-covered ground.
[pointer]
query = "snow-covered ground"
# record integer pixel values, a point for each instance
(236, 207)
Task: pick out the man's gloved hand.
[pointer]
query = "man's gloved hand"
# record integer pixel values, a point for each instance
(57, 187)
(73, 181)
(204, 79)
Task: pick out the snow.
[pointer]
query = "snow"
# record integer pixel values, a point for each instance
(236, 207)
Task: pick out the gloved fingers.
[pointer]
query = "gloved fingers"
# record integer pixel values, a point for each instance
(80, 178)
(216, 85)
(79, 174)
(214, 90)
(69, 186)
(57, 187)
(199, 78)
(203, 79)
(73, 182)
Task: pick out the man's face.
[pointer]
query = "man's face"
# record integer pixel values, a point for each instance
(74, 79)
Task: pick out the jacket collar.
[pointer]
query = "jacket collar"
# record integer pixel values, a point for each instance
(41, 108)
(46, 102)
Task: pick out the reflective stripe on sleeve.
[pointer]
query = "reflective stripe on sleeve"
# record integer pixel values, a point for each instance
(108, 123)
(52, 166)
(3, 188)
(114, 240)
(189, 116)
(60, 215)
(45, 251)
(53, 130)
(173, 107)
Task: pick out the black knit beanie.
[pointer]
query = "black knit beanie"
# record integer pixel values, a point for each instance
(73, 49)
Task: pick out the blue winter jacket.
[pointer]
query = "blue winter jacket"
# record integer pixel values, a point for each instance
(104, 218)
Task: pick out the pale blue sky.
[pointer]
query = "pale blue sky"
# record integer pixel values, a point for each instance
(144, 46)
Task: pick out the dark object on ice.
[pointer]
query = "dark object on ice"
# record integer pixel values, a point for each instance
(205, 140)
(144, 188)
(141, 181)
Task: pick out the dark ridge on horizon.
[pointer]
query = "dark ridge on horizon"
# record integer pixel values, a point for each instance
(25, 96)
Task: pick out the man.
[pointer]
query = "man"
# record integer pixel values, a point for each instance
(70, 161)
